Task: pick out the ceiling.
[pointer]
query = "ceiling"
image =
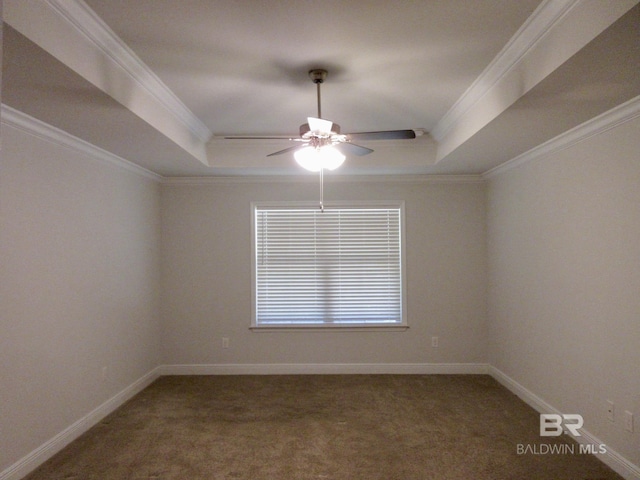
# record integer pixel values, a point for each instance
(163, 83)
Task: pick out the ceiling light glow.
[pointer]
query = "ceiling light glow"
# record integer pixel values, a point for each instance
(316, 158)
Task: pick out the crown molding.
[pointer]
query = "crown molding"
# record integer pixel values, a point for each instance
(91, 26)
(313, 178)
(555, 32)
(537, 25)
(597, 125)
(21, 121)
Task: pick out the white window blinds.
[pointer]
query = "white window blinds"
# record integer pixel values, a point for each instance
(340, 267)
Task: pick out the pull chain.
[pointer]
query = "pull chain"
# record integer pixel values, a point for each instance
(321, 189)
(321, 169)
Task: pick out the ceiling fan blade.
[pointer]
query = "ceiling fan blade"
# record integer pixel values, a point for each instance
(384, 135)
(286, 150)
(319, 125)
(347, 148)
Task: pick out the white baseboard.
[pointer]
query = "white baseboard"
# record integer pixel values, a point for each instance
(326, 369)
(48, 449)
(612, 458)
(37, 457)
(31, 461)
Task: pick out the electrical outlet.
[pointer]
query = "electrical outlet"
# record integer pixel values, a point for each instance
(225, 342)
(434, 342)
(611, 411)
(628, 421)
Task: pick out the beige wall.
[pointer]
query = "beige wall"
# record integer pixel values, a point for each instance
(564, 276)
(79, 246)
(207, 275)
(104, 267)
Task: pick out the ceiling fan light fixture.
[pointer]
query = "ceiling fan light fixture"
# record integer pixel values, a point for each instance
(316, 158)
(323, 146)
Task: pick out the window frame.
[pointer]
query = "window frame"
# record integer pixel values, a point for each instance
(372, 326)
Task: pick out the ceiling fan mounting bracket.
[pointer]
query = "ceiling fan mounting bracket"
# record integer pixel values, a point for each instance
(318, 75)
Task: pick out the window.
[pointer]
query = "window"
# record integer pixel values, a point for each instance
(338, 268)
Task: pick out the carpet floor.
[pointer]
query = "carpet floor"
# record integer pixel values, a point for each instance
(346, 427)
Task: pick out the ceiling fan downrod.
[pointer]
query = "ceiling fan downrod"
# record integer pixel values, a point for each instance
(318, 76)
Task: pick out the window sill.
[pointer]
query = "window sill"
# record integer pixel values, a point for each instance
(333, 328)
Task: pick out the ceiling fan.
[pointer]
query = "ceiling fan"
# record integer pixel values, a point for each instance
(321, 145)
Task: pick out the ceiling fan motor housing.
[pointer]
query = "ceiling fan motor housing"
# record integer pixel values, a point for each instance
(305, 131)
